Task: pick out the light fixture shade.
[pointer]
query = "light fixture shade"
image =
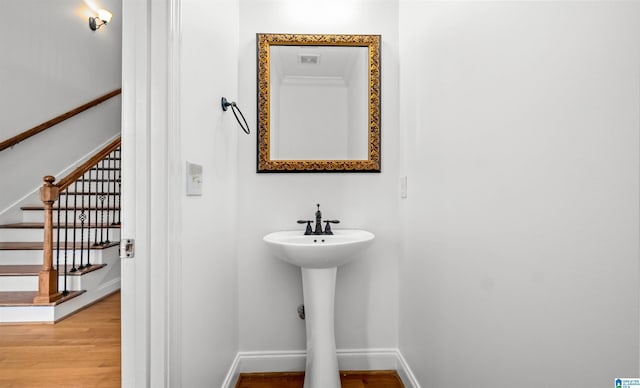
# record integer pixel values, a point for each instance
(104, 15)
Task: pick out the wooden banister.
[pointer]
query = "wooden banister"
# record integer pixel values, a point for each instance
(84, 167)
(50, 193)
(48, 276)
(56, 120)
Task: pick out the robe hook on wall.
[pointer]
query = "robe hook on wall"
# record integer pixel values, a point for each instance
(234, 107)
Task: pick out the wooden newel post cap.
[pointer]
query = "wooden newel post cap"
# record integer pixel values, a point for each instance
(49, 192)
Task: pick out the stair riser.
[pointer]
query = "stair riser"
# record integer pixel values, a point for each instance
(30, 283)
(96, 256)
(20, 235)
(97, 284)
(38, 216)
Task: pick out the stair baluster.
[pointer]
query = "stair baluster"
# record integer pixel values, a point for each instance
(74, 226)
(102, 197)
(109, 172)
(82, 217)
(88, 246)
(118, 179)
(65, 217)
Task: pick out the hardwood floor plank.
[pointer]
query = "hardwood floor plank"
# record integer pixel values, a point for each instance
(82, 351)
(348, 379)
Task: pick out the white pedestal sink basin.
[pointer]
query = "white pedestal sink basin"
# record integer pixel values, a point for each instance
(319, 256)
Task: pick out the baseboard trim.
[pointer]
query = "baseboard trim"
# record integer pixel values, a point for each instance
(405, 372)
(231, 379)
(294, 360)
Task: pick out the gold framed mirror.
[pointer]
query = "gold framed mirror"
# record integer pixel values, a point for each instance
(318, 103)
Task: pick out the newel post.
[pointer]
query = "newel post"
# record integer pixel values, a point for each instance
(48, 276)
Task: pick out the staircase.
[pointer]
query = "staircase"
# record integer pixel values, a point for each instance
(84, 234)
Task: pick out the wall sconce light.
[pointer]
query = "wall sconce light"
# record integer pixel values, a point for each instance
(103, 18)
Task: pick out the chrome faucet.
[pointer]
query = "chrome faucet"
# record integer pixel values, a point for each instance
(318, 228)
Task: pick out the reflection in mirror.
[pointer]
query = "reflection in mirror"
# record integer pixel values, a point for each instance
(318, 103)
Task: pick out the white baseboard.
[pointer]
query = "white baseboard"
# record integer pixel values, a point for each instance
(406, 374)
(231, 379)
(294, 360)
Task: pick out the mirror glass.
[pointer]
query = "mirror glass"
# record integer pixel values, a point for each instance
(318, 103)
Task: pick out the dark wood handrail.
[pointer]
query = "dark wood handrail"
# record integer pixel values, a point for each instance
(56, 120)
(86, 166)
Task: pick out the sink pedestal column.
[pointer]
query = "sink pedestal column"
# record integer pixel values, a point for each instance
(319, 286)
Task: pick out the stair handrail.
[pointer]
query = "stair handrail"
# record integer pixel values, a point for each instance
(50, 193)
(12, 141)
(86, 166)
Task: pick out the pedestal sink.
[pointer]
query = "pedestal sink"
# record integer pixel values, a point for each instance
(319, 256)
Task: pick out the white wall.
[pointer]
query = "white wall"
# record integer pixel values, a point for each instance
(209, 285)
(270, 290)
(51, 63)
(520, 125)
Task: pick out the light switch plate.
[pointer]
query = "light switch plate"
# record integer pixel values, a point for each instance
(403, 186)
(194, 179)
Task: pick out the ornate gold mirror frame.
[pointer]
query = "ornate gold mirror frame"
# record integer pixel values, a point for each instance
(264, 161)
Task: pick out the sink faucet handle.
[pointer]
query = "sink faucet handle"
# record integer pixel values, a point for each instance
(327, 228)
(308, 230)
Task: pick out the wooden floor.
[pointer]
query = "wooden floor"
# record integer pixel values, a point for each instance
(82, 351)
(349, 379)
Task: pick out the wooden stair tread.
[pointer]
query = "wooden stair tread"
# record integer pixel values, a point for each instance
(31, 270)
(40, 225)
(37, 246)
(25, 298)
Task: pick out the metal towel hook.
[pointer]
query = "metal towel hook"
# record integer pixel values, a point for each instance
(234, 107)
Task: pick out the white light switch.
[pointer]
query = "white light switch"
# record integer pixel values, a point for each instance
(194, 179)
(403, 186)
